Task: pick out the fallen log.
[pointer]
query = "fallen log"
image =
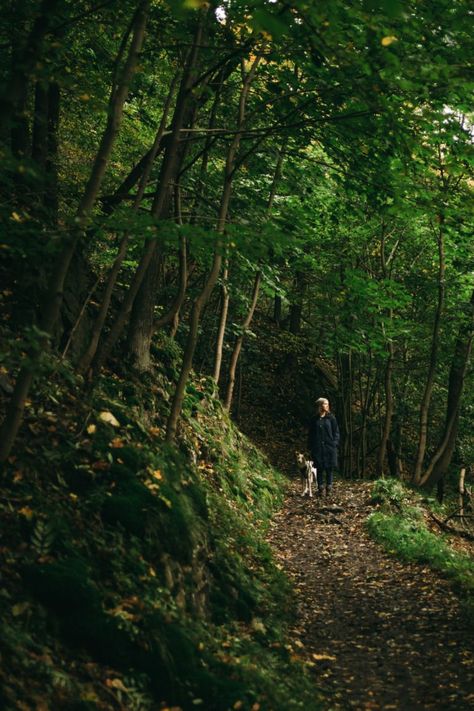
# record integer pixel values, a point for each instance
(452, 529)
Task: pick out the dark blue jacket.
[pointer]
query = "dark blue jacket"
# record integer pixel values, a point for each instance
(323, 440)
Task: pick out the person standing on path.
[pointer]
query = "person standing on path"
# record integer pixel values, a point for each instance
(323, 441)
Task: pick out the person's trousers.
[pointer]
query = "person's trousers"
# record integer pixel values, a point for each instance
(320, 477)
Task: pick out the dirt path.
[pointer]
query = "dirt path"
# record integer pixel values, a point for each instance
(382, 634)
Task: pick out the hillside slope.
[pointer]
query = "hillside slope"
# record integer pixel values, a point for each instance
(135, 575)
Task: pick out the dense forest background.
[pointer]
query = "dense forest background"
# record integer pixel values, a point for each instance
(248, 204)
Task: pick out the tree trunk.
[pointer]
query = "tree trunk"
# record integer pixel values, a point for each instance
(51, 312)
(89, 354)
(441, 459)
(238, 344)
(426, 400)
(256, 288)
(296, 307)
(203, 297)
(51, 197)
(44, 146)
(222, 323)
(111, 201)
(208, 143)
(387, 425)
(142, 322)
(159, 203)
(143, 316)
(345, 410)
(13, 99)
(39, 141)
(172, 315)
(277, 310)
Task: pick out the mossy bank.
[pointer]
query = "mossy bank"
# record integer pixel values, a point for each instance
(136, 575)
(403, 525)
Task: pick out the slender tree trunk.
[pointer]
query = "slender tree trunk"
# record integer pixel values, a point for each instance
(39, 144)
(14, 97)
(208, 143)
(347, 434)
(238, 344)
(110, 202)
(296, 307)
(426, 400)
(203, 297)
(277, 310)
(462, 492)
(387, 425)
(222, 322)
(51, 312)
(145, 323)
(441, 459)
(51, 197)
(158, 206)
(89, 354)
(365, 401)
(44, 145)
(256, 288)
(142, 324)
(277, 301)
(225, 277)
(344, 361)
(172, 315)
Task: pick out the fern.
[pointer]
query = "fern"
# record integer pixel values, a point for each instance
(42, 538)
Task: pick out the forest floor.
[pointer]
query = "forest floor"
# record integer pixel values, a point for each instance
(377, 632)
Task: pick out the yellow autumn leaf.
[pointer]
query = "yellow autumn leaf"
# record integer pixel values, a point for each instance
(117, 443)
(324, 658)
(109, 419)
(387, 41)
(16, 217)
(91, 429)
(85, 97)
(115, 684)
(157, 474)
(26, 512)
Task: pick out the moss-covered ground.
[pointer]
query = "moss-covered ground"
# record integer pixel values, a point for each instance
(136, 575)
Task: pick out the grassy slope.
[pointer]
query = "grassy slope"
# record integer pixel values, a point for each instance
(136, 576)
(401, 525)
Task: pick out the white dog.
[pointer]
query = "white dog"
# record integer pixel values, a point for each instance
(307, 472)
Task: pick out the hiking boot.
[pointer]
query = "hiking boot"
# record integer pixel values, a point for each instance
(328, 491)
(321, 492)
